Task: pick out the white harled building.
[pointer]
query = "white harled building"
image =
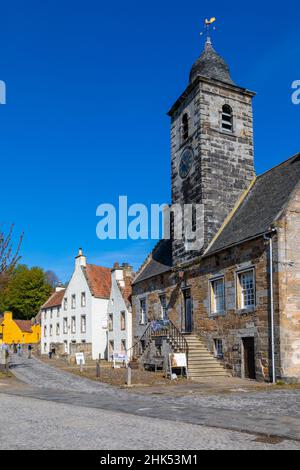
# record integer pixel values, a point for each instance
(75, 318)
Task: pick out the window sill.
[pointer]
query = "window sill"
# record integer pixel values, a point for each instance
(217, 314)
(245, 311)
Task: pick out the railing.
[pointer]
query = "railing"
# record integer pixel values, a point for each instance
(156, 329)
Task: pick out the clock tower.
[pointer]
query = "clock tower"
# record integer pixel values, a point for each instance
(211, 146)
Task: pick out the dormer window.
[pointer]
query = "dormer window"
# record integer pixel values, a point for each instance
(227, 118)
(185, 127)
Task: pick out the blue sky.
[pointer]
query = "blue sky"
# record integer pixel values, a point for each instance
(88, 87)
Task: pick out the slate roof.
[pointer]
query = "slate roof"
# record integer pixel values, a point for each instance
(160, 262)
(55, 300)
(262, 206)
(99, 280)
(211, 65)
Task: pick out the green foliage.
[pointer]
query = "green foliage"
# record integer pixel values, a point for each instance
(26, 292)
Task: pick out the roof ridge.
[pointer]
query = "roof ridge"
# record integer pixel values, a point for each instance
(278, 165)
(147, 260)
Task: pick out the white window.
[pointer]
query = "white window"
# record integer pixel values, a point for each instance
(58, 312)
(51, 330)
(246, 289)
(143, 312)
(45, 331)
(123, 346)
(45, 347)
(57, 329)
(110, 322)
(83, 299)
(217, 296)
(66, 346)
(83, 324)
(163, 306)
(73, 325)
(111, 348)
(51, 313)
(65, 325)
(73, 305)
(45, 315)
(123, 321)
(219, 348)
(65, 303)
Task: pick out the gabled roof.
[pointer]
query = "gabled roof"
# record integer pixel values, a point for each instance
(24, 325)
(99, 280)
(126, 291)
(159, 262)
(55, 300)
(261, 207)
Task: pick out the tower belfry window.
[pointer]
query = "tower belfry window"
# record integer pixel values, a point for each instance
(185, 126)
(227, 118)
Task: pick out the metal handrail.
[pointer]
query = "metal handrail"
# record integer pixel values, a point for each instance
(156, 329)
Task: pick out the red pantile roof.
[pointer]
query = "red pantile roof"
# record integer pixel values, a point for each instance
(99, 280)
(126, 291)
(55, 300)
(24, 325)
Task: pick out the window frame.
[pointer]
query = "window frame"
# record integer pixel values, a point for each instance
(212, 309)
(217, 354)
(73, 301)
(123, 320)
(143, 313)
(83, 330)
(110, 322)
(163, 307)
(225, 122)
(73, 325)
(238, 290)
(83, 302)
(185, 127)
(65, 325)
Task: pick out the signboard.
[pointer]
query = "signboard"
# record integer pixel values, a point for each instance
(120, 357)
(178, 360)
(80, 359)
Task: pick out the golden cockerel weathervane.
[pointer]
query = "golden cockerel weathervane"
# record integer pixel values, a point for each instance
(208, 27)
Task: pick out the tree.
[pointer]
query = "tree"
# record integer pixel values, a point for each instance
(8, 257)
(52, 279)
(26, 292)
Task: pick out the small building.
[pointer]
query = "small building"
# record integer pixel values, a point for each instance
(18, 331)
(119, 312)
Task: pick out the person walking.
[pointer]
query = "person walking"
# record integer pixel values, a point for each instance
(29, 351)
(19, 348)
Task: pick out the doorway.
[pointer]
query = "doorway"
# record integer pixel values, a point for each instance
(249, 358)
(188, 311)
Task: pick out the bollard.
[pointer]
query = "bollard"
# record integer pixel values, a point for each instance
(98, 367)
(128, 380)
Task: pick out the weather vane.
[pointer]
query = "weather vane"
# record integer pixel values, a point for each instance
(208, 27)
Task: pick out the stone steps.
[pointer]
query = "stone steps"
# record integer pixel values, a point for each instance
(201, 363)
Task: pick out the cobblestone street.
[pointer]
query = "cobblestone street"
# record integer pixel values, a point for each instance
(91, 415)
(67, 427)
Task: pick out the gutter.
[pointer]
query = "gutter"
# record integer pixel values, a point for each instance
(268, 236)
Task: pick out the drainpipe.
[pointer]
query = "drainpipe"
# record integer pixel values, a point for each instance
(268, 236)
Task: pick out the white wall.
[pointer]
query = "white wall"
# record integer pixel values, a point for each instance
(95, 311)
(115, 306)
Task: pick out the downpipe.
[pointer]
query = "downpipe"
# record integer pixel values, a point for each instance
(268, 236)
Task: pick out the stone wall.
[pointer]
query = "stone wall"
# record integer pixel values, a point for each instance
(288, 268)
(223, 164)
(233, 325)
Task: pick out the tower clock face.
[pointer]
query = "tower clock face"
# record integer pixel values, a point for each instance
(186, 162)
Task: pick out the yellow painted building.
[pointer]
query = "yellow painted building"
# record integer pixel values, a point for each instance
(18, 331)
